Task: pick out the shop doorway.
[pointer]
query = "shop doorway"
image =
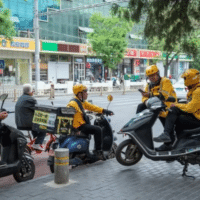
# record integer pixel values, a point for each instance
(79, 72)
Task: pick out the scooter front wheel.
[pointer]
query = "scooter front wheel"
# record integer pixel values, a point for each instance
(26, 172)
(127, 153)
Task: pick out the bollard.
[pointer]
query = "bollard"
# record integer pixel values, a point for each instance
(101, 93)
(15, 95)
(61, 166)
(123, 89)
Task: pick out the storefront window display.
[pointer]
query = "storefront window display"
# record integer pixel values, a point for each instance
(7, 76)
(139, 67)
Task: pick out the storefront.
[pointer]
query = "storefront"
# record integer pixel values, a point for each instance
(135, 62)
(17, 56)
(65, 62)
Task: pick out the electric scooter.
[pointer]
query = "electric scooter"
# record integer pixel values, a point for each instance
(78, 143)
(185, 149)
(13, 153)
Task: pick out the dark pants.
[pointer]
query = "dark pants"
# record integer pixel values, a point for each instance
(40, 137)
(181, 119)
(94, 130)
(142, 107)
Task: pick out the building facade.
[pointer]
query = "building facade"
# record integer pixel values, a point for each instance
(63, 45)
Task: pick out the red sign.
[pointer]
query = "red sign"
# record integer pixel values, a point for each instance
(149, 54)
(131, 52)
(68, 48)
(1, 71)
(88, 65)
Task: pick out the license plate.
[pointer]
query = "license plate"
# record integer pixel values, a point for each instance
(179, 89)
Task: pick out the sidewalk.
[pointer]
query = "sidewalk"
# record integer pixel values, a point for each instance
(109, 180)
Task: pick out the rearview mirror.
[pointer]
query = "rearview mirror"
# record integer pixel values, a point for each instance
(110, 98)
(3, 97)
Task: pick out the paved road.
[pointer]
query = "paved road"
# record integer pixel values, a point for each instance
(124, 107)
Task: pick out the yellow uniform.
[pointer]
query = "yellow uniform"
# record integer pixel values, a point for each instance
(166, 88)
(78, 117)
(193, 105)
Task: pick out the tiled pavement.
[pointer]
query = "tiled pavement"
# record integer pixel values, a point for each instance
(147, 180)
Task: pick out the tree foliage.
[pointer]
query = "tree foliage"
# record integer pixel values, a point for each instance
(170, 25)
(6, 25)
(108, 39)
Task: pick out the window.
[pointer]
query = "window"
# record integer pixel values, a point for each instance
(54, 58)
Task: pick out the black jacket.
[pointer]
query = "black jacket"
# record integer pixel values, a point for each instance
(24, 111)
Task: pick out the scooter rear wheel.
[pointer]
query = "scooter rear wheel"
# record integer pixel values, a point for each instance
(25, 173)
(127, 153)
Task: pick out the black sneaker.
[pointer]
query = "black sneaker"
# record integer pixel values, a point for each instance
(2, 163)
(164, 137)
(163, 147)
(99, 154)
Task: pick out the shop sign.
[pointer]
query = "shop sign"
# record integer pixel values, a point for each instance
(42, 66)
(149, 54)
(49, 46)
(79, 60)
(94, 60)
(131, 52)
(185, 57)
(22, 44)
(164, 55)
(2, 64)
(83, 49)
(88, 65)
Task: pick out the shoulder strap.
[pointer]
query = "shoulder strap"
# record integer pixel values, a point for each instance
(79, 104)
(161, 82)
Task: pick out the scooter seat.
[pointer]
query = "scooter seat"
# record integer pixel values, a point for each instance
(191, 131)
(82, 135)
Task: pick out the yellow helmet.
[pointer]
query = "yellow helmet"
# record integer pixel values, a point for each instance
(79, 88)
(191, 77)
(151, 70)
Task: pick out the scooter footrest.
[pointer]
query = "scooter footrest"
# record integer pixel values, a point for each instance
(163, 153)
(178, 151)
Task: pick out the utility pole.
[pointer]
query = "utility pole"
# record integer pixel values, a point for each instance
(37, 45)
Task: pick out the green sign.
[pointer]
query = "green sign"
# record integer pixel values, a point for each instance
(48, 46)
(181, 56)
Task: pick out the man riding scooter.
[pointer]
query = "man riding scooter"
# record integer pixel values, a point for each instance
(156, 86)
(185, 116)
(81, 122)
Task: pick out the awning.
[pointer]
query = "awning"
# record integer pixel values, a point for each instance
(15, 19)
(132, 36)
(86, 29)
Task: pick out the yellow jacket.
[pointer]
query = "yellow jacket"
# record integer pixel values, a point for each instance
(78, 117)
(193, 105)
(166, 88)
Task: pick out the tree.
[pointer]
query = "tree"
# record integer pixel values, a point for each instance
(172, 23)
(6, 25)
(108, 40)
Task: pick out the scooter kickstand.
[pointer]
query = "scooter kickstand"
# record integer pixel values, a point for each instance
(185, 169)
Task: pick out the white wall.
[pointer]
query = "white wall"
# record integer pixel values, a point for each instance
(58, 70)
